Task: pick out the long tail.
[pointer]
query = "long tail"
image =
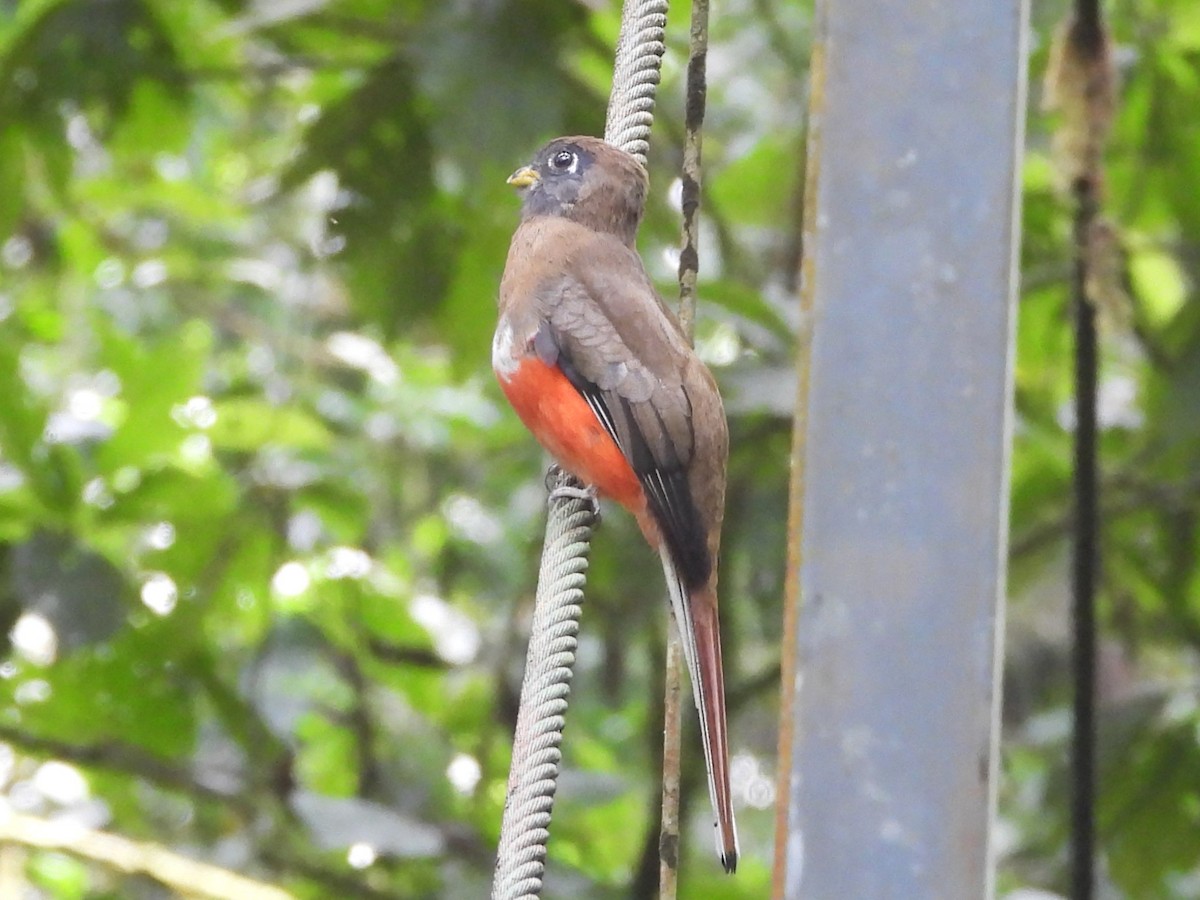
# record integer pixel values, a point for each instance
(696, 616)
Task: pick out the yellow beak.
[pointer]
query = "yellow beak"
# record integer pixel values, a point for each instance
(523, 177)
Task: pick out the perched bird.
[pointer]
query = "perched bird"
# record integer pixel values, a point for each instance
(597, 368)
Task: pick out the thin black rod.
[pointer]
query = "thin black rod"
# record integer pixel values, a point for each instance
(1088, 42)
(1085, 562)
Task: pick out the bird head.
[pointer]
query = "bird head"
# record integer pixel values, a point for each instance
(586, 180)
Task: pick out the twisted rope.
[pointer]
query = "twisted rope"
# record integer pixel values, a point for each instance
(550, 661)
(640, 48)
(533, 774)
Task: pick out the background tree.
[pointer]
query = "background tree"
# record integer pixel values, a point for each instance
(268, 535)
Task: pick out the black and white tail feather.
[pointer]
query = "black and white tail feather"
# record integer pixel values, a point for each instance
(681, 608)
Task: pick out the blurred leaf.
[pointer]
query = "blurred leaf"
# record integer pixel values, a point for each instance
(1150, 810)
(517, 48)
(399, 242)
(328, 761)
(80, 593)
(64, 877)
(746, 302)
(250, 424)
(12, 179)
(1159, 281)
(339, 822)
(86, 55)
(154, 380)
(754, 188)
(155, 118)
(468, 316)
(126, 691)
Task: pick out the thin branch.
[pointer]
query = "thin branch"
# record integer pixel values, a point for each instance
(782, 44)
(748, 690)
(398, 654)
(737, 262)
(1133, 497)
(128, 760)
(358, 720)
(274, 851)
(276, 69)
(338, 884)
(689, 267)
(185, 876)
(668, 835)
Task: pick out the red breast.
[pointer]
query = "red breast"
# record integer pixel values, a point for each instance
(558, 416)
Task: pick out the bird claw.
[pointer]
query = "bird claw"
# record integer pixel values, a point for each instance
(563, 486)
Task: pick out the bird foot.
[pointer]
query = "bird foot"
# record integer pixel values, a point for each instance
(563, 486)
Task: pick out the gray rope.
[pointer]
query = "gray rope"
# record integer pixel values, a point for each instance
(549, 663)
(636, 70)
(533, 773)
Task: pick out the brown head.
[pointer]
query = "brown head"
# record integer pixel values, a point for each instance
(585, 180)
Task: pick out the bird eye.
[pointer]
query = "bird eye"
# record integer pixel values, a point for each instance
(564, 161)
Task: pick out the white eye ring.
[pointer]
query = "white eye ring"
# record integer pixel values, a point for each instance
(565, 161)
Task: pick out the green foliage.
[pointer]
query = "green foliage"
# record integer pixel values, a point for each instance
(268, 534)
(1144, 280)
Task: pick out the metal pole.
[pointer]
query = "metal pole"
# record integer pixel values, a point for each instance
(903, 439)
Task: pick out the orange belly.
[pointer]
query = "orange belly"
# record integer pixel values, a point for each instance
(565, 425)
